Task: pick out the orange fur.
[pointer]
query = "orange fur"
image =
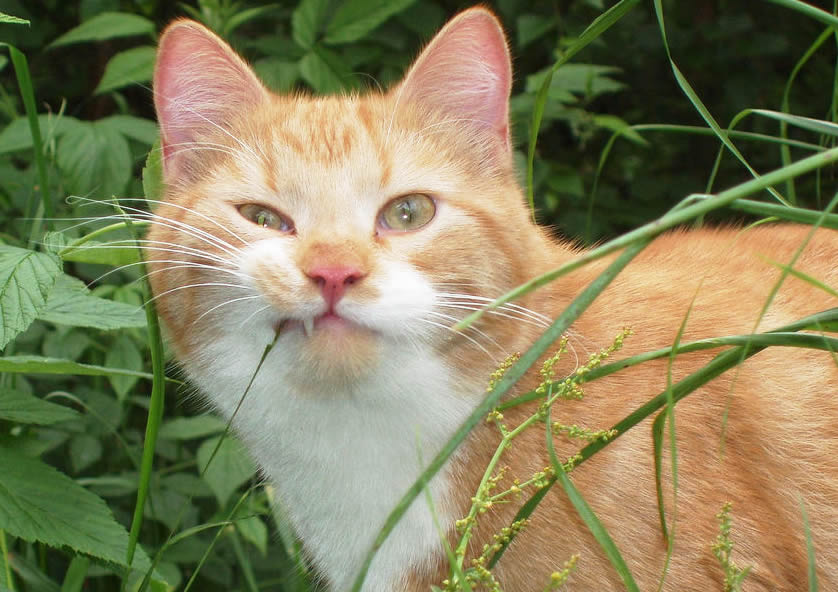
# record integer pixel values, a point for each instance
(326, 162)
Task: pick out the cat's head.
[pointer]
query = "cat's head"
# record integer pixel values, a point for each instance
(354, 224)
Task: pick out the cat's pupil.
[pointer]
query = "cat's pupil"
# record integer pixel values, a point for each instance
(405, 211)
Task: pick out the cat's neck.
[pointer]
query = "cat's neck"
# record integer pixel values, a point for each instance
(341, 460)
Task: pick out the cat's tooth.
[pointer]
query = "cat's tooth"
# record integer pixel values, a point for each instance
(308, 326)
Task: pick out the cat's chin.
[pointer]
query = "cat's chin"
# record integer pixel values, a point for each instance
(331, 352)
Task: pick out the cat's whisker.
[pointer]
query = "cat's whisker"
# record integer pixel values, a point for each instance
(509, 305)
(454, 320)
(192, 211)
(254, 313)
(225, 303)
(178, 263)
(131, 244)
(187, 229)
(200, 285)
(467, 306)
(461, 334)
(191, 265)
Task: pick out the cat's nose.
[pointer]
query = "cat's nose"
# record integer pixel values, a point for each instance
(333, 280)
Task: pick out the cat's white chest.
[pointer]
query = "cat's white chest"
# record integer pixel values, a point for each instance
(341, 461)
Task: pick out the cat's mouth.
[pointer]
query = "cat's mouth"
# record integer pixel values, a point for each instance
(328, 321)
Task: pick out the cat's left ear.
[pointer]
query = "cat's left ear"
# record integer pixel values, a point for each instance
(465, 72)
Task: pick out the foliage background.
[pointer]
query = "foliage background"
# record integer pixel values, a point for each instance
(91, 78)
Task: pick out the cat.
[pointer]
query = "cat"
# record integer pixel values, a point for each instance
(362, 227)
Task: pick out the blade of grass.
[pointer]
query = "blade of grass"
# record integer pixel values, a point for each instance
(810, 549)
(510, 377)
(7, 568)
(699, 105)
(155, 410)
(810, 11)
(785, 153)
(76, 574)
(27, 93)
(587, 514)
(599, 25)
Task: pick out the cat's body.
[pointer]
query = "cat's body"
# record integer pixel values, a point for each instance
(281, 215)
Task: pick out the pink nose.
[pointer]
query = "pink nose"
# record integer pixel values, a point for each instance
(333, 280)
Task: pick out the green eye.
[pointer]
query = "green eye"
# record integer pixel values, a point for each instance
(407, 212)
(266, 217)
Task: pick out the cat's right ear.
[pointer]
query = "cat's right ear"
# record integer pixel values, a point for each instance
(200, 84)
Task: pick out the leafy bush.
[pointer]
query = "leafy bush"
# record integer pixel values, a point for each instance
(621, 140)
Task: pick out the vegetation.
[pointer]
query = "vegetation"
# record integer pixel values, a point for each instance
(635, 106)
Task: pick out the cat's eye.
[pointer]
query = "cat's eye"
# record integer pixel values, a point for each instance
(266, 217)
(407, 212)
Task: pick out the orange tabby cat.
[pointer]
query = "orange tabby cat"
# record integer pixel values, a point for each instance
(363, 227)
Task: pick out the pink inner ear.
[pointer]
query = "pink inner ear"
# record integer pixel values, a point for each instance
(465, 71)
(199, 84)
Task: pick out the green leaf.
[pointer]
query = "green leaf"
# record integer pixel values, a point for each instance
(17, 135)
(307, 20)
(189, 428)
(278, 74)
(26, 278)
(230, 467)
(107, 25)
(95, 159)
(616, 124)
(531, 27)
(19, 407)
(325, 72)
(7, 18)
(253, 529)
(37, 503)
(356, 18)
(102, 253)
(132, 66)
(76, 574)
(71, 303)
(85, 450)
(124, 354)
(45, 365)
(136, 128)
(153, 174)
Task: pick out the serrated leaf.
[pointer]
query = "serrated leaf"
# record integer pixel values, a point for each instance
(132, 66)
(229, 469)
(37, 503)
(123, 353)
(307, 20)
(189, 428)
(95, 159)
(356, 18)
(19, 407)
(26, 278)
(17, 135)
(71, 303)
(107, 25)
(325, 71)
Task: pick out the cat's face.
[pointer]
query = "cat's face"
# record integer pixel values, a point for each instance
(350, 224)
